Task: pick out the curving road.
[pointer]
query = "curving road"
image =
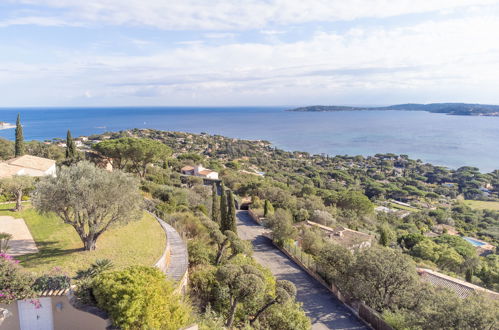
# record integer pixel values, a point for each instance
(320, 305)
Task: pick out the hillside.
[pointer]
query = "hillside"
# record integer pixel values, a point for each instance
(462, 109)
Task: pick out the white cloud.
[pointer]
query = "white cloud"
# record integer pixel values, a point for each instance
(456, 58)
(225, 14)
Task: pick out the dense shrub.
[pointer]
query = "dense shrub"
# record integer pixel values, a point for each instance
(14, 284)
(140, 297)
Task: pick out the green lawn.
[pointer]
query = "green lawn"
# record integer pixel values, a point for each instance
(139, 242)
(481, 205)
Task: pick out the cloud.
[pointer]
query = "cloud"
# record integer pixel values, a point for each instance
(436, 57)
(222, 14)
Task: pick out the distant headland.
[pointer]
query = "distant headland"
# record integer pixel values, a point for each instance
(4, 125)
(460, 109)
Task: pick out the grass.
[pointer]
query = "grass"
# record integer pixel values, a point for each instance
(482, 205)
(137, 243)
(402, 207)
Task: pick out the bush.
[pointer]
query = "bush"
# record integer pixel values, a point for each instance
(52, 282)
(140, 297)
(14, 284)
(200, 253)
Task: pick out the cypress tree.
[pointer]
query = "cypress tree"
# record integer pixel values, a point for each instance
(231, 213)
(223, 211)
(70, 147)
(215, 204)
(267, 208)
(19, 147)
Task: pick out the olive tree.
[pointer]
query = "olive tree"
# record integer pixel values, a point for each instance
(90, 199)
(18, 186)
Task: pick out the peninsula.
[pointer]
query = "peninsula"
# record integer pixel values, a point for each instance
(461, 109)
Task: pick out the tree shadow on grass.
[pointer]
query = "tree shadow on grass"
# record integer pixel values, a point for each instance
(47, 250)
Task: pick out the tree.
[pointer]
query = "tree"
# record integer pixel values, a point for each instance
(242, 283)
(335, 261)
(90, 199)
(355, 201)
(231, 213)
(6, 149)
(381, 277)
(215, 204)
(71, 152)
(443, 309)
(224, 217)
(285, 291)
(281, 224)
(133, 152)
(19, 145)
(140, 297)
(287, 316)
(14, 283)
(386, 234)
(426, 249)
(18, 185)
(268, 209)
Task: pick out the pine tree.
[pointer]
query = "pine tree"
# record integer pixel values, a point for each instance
(215, 204)
(231, 213)
(223, 211)
(19, 149)
(70, 147)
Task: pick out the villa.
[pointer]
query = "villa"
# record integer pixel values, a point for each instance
(28, 165)
(348, 238)
(199, 171)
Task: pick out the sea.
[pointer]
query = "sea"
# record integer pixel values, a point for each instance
(440, 139)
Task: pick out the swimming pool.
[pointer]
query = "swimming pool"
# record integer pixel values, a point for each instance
(474, 242)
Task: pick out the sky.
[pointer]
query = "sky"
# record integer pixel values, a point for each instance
(247, 52)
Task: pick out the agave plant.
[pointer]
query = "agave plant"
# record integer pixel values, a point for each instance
(4, 242)
(99, 266)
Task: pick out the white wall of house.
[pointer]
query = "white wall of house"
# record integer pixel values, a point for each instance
(52, 171)
(212, 175)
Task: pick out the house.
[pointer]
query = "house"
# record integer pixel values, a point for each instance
(348, 238)
(461, 288)
(28, 165)
(8, 171)
(199, 171)
(53, 309)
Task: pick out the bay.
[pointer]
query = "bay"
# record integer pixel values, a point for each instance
(440, 139)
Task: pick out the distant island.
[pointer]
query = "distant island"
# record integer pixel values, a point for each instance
(460, 109)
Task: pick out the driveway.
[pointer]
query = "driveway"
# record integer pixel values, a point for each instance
(22, 242)
(320, 305)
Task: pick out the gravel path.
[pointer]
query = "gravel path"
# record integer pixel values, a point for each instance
(323, 309)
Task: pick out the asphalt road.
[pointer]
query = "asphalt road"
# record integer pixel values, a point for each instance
(323, 309)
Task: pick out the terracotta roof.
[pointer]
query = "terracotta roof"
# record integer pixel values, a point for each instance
(187, 168)
(33, 162)
(53, 293)
(205, 172)
(462, 288)
(6, 170)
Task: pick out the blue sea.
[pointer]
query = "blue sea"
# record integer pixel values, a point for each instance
(440, 139)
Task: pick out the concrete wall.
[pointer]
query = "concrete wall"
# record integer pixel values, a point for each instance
(66, 318)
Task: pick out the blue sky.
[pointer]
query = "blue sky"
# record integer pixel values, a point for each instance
(247, 52)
